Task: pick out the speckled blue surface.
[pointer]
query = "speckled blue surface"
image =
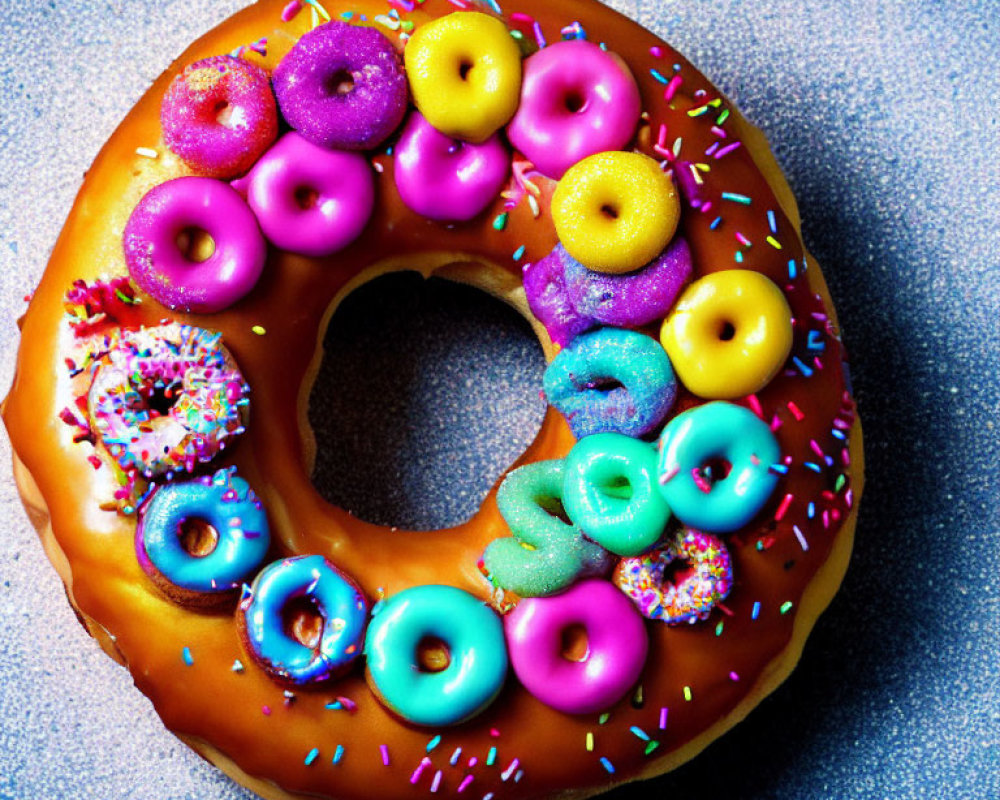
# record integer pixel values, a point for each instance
(883, 113)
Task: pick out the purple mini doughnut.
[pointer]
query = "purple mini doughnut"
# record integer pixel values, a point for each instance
(576, 100)
(447, 179)
(545, 287)
(342, 86)
(161, 267)
(617, 644)
(310, 200)
(629, 299)
(219, 115)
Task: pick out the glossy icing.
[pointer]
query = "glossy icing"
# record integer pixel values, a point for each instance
(275, 456)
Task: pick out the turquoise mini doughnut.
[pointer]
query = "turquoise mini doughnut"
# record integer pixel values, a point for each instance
(226, 504)
(545, 554)
(471, 633)
(700, 441)
(303, 583)
(610, 491)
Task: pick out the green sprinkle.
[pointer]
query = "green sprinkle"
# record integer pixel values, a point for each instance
(491, 757)
(841, 480)
(259, 330)
(722, 117)
(786, 607)
(742, 199)
(500, 222)
(718, 629)
(687, 693)
(603, 718)
(313, 755)
(652, 746)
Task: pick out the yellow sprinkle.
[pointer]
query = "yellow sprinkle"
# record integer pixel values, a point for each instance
(687, 693)
(774, 242)
(590, 742)
(259, 330)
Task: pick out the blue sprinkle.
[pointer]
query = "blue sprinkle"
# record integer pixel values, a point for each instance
(734, 197)
(810, 465)
(715, 223)
(334, 706)
(802, 367)
(792, 269)
(781, 469)
(640, 733)
(519, 252)
(836, 433)
(339, 754)
(313, 755)
(772, 222)
(433, 743)
(658, 76)
(495, 6)
(815, 341)
(186, 655)
(608, 765)
(756, 610)
(739, 256)
(811, 510)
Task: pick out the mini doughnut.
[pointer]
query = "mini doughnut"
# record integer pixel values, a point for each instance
(342, 86)
(472, 638)
(699, 442)
(303, 620)
(576, 100)
(611, 380)
(165, 272)
(633, 299)
(617, 644)
(465, 74)
(610, 492)
(548, 298)
(166, 399)
(219, 115)
(234, 548)
(544, 554)
(615, 212)
(729, 334)
(444, 178)
(688, 600)
(310, 200)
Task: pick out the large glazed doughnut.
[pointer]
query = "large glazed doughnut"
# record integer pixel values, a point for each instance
(628, 599)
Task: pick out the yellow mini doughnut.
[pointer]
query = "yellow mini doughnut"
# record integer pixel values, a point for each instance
(615, 212)
(465, 74)
(729, 334)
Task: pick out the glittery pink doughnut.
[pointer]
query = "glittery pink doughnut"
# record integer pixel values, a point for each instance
(162, 269)
(219, 115)
(576, 100)
(447, 179)
(616, 647)
(692, 598)
(310, 200)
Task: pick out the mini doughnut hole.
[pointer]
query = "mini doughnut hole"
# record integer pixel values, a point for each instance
(303, 621)
(610, 211)
(554, 508)
(340, 82)
(605, 385)
(433, 655)
(464, 68)
(306, 197)
(198, 537)
(195, 244)
(223, 113)
(574, 644)
(716, 469)
(727, 331)
(574, 102)
(619, 487)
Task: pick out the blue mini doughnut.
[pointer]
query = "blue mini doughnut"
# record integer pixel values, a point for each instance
(310, 596)
(223, 505)
(470, 632)
(711, 437)
(637, 368)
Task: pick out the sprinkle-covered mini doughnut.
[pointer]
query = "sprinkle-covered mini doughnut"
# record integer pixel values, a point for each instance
(219, 115)
(544, 554)
(729, 334)
(548, 298)
(162, 267)
(310, 200)
(303, 620)
(715, 466)
(444, 178)
(202, 537)
(469, 639)
(342, 86)
(465, 74)
(616, 647)
(166, 399)
(611, 380)
(689, 598)
(610, 492)
(576, 100)
(615, 212)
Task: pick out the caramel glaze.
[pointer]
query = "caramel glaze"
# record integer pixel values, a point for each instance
(209, 703)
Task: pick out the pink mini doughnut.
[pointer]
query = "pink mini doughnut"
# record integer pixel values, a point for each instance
(693, 594)
(161, 267)
(219, 115)
(576, 100)
(447, 179)
(616, 647)
(310, 200)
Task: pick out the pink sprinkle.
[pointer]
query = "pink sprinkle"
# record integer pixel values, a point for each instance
(663, 718)
(743, 240)
(402, 5)
(849, 498)
(347, 703)
(494, 733)
(473, 761)
(796, 411)
(669, 475)
(733, 676)
(826, 519)
(816, 449)
(505, 775)
(436, 783)
(385, 754)
(266, 710)
(785, 503)
(656, 51)
(465, 783)
(424, 763)
(672, 87)
(725, 151)
(754, 404)
(719, 132)
(699, 480)
(845, 457)
(291, 11)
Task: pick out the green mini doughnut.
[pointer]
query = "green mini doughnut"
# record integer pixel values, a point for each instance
(545, 554)
(610, 491)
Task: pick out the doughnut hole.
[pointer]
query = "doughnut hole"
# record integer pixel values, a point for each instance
(574, 102)
(433, 655)
(727, 331)
(574, 645)
(198, 537)
(339, 83)
(464, 68)
(715, 470)
(303, 621)
(306, 197)
(195, 244)
(427, 393)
